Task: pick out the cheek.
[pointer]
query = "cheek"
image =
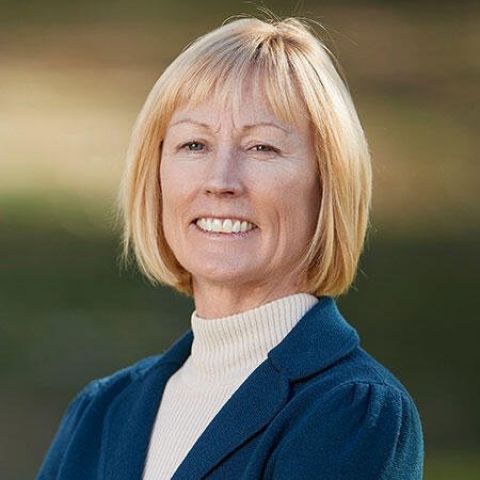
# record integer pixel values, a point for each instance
(171, 200)
(174, 186)
(291, 208)
(301, 203)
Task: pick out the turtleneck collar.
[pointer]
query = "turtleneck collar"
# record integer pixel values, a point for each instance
(227, 349)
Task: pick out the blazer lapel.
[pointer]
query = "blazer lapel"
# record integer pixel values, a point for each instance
(320, 338)
(252, 406)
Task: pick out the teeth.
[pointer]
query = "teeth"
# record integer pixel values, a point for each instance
(224, 226)
(217, 225)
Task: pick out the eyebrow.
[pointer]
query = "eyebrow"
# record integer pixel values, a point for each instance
(244, 128)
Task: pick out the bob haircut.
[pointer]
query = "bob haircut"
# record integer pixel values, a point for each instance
(298, 75)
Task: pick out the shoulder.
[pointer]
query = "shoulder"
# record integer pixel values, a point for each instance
(87, 409)
(367, 406)
(116, 381)
(359, 421)
(359, 368)
(120, 378)
(365, 389)
(356, 430)
(106, 389)
(355, 404)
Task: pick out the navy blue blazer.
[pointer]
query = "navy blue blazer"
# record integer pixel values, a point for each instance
(319, 407)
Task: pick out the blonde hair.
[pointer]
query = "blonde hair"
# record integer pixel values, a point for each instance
(299, 76)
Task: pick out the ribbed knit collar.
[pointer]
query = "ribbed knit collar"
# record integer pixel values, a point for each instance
(227, 349)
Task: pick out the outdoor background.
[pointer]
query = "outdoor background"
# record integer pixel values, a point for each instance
(74, 75)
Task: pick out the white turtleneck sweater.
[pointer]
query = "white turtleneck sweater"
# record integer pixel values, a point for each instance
(225, 351)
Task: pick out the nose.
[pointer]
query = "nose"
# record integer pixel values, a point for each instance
(223, 174)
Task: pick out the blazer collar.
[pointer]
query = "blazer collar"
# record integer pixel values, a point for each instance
(320, 338)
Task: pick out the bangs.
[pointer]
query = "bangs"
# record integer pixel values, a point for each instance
(222, 77)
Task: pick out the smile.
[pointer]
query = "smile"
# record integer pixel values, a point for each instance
(227, 225)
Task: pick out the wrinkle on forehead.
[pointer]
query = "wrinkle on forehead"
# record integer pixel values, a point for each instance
(211, 115)
(228, 91)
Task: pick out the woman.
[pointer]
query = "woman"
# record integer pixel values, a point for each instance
(248, 187)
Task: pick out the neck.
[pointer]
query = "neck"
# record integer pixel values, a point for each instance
(226, 349)
(230, 300)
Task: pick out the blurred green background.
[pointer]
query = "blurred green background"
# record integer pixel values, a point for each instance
(74, 75)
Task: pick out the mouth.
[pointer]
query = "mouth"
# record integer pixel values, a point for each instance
(227, 230)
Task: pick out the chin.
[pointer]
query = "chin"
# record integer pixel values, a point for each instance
(222, 276)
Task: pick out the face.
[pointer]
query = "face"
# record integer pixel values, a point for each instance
(231, 166)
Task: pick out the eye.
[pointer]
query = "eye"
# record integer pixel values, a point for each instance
(193, 146)
(265, 148)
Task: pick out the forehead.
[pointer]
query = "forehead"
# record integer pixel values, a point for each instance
(215, 115)
(246, 103)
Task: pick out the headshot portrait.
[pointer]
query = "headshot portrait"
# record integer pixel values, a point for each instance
(247, 187)
(239, 240)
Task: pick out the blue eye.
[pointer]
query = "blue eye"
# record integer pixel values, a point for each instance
(193, 146)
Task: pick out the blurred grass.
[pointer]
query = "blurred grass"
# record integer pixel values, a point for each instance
(452, 466)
